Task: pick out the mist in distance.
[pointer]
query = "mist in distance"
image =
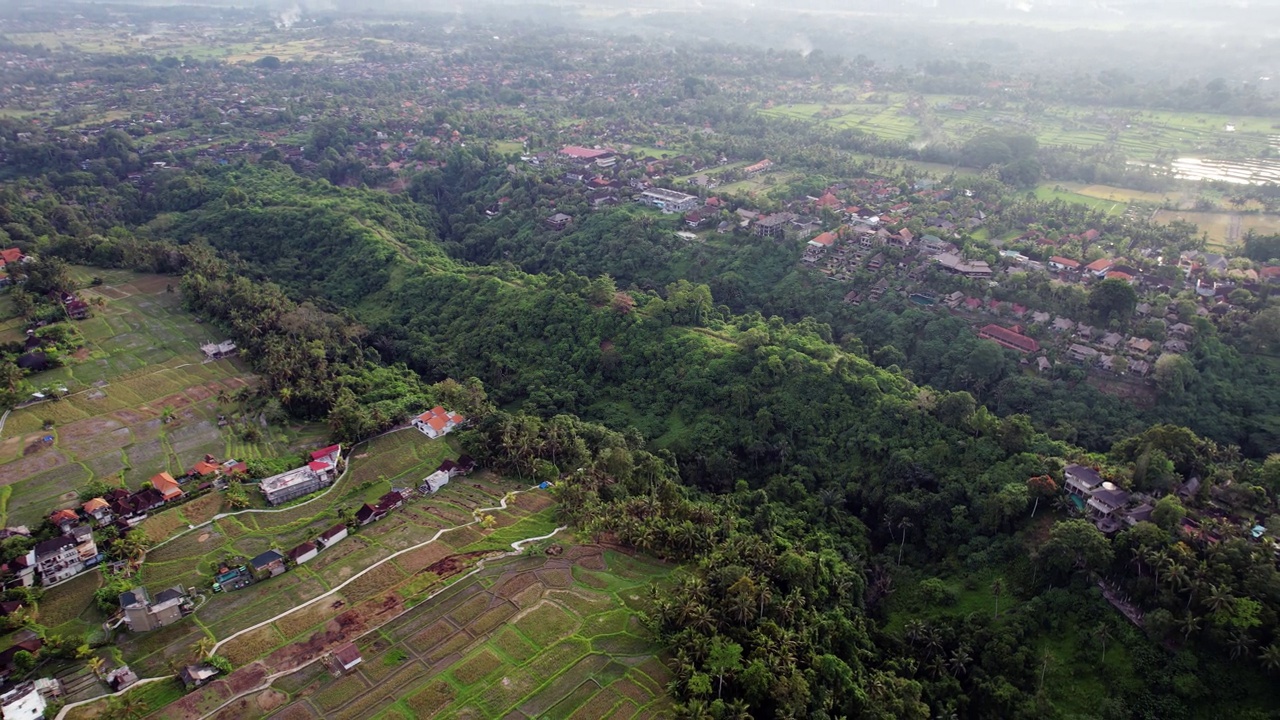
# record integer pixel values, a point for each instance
(1167, 41)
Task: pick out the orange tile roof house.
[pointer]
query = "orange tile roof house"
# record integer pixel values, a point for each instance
(167, 486)
(437, 422)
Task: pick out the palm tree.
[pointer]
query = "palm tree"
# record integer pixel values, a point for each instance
(1219, 599)
(1044, 667)
(96, 664)
(1240, 643)
(914, 631)
(959, 662)
(1189, 624)
(1270, 657)
(739, 710)
(997, 587)
(904, 524)
(1102, 633)
(128, 707)
(204, 647)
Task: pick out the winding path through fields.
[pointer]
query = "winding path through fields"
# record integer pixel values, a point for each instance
(517, 548)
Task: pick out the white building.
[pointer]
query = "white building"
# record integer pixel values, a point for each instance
(437, 422)
(23, 702)
(437, 480)
(669, 201)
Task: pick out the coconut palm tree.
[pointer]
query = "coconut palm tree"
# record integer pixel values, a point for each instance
(959, 662)
(904, 524)
(1218, 599)
(1240, 643)
(1188, 624)
(997, 588)
(204, 646)
(1102, 633)
(1270, 657)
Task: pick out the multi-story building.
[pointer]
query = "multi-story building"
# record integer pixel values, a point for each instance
(142, 614)
(669, 201)
(317, 474)
(58, 559)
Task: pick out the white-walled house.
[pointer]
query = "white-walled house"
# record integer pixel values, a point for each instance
(437, 422)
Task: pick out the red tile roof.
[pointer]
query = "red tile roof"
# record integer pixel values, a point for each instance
(1099, 265)
(1065, 262)
(325, 452)
(1009, 338)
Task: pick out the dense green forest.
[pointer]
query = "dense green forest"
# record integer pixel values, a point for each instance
(826, 509)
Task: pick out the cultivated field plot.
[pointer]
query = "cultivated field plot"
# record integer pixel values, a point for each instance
(1141, 135)
(530, 637)
(141, 364)
(294, 633)
(1225, 229)
(191, 560)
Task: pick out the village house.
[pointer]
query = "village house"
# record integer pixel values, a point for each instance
(346, 657)
(121, 678)
(1008, 338)
(559, 221)
(369, 514)
(437, 422)
(333, 535)
(64, 519)
(167, 487)
(1099, 268)
(22, 569)
(1062, 264)
(142, 614)
(1082, 353)
(304, 552)
(98, 509)
(1140, 346)
(218, 351)
(824, 240)
(269, 563)
(957, 265)
(193, 676)
(30, 643)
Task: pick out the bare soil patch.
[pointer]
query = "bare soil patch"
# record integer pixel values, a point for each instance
(133, 416)
(26, 467)
(453, 564)
(346, 627)
(422, 558)
(175, 401)
(88, 428)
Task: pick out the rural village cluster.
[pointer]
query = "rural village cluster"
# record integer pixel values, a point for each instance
(74, 551)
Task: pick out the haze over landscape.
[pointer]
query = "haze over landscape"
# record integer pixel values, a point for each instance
(724, 359)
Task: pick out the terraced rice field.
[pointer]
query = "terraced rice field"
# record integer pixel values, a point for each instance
(141, 364)
(530, 637)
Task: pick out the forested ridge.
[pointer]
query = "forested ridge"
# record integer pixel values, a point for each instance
(826, 509)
